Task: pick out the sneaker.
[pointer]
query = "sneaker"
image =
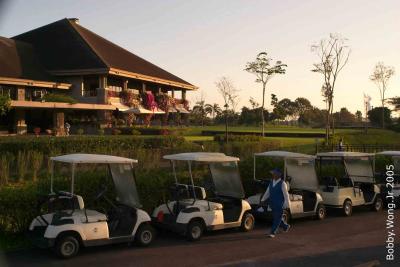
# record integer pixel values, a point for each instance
(287, 229)
(271, 235)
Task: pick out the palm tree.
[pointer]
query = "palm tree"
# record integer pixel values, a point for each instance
(200, 110)
(213, 110)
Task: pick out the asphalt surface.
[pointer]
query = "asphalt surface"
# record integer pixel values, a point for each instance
(335, 241)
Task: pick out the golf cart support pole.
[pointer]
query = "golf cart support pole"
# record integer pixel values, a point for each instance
(73, 178)
(254, 167)
(52, 175)
(191, 178)
(173, 169)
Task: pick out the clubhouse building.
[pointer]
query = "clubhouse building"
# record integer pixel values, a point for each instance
(63, 72)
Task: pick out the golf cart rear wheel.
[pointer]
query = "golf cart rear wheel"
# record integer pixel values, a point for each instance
(145, 235)
(194, 231)
(320, 212)
(347, 208)
(67, 246)
(378, 204)
(247, 222)
(285, 216)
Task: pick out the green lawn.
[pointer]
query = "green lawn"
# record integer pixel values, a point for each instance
(196, 130)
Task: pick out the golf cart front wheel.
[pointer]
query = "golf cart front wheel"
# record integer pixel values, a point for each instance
(247, 222)
(145, 235)
(378, 204)
(347, 208)
(194, 231)
(285, 216)
(67, 246)
(320, 212)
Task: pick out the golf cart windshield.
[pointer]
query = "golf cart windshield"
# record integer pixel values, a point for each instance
(359, 169)
(125, 186)
(226, 179)
(302, 173)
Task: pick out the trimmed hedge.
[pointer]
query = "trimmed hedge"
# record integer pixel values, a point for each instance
(89, 144)
(238, 138)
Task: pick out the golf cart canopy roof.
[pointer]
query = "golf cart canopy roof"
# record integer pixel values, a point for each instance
(93, 159)
(202, 157)
(283, 154)
(344, 154)
(389, 153)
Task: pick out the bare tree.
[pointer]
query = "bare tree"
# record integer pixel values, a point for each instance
(229, 94)
(333, 54)
(381, 77)
(264, 70)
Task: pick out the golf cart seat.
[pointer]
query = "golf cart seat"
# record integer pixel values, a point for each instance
(295, 197)
(216, 206)
(95, 216)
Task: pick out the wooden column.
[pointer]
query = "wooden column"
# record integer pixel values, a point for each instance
(125, 85)
(143, 88)
(183, 94)
(20, 126)
(58, 122)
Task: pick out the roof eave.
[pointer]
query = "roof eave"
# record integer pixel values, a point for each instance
(36, 83)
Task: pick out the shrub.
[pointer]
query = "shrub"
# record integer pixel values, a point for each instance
(36, 158)
(100, 131)
(5, 104)
(61, 98)
(135, 132)
(238, 138)
(80, 131)
(116, 131)
(5, 162)
(22, 166)
(36, 130)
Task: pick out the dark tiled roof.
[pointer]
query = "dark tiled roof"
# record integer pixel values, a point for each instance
(18, 60)
(65, 45)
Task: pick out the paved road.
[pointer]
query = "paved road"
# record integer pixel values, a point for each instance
(336, 241)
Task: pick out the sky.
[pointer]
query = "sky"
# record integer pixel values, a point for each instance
(201, 41)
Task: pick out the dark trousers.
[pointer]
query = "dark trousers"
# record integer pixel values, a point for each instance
(277, 220)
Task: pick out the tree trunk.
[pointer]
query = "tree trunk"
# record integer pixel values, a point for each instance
(262, 113)
(383, 114)
(226, 124)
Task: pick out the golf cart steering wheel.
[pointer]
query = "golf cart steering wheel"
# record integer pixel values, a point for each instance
(101, 193)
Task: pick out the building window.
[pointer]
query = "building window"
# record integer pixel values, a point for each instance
(9, 90)
(34, 94)
(90, 85)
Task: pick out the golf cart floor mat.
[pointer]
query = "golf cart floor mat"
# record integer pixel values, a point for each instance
(232, 209)
(121, 221)
(368, 191)
(309, 199)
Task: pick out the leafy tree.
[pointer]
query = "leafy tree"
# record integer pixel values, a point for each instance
(375, 116)
(358, 116)
(302, 104)
(313, 117)
(381, 77)
(229, 94)
(395, 102)
(263, 68)
(344, 117)
(333, 54)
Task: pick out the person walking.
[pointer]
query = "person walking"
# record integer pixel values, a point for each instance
(278, 199)
(67, 127)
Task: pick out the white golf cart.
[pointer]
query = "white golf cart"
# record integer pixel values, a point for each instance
(218, 205)
(68, 225)
(389, 178)
(299, 174)
(347, 180)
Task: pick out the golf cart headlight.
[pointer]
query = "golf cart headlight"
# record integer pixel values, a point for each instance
(160, 216)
